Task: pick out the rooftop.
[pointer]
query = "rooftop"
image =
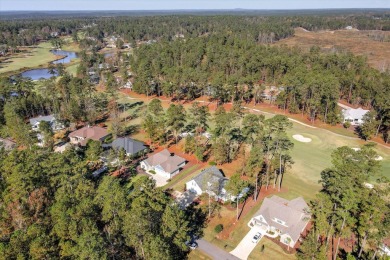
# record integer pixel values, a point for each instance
(292, 212)
(168, 162)
(131, 146)
(89, 132)
(36, 120)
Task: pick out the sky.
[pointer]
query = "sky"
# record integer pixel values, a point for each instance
(17, 5)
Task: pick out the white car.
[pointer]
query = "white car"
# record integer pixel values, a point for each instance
(257, 237)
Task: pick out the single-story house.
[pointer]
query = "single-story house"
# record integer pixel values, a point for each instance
(354, 116)
(82, 135)
(281, 217)
(55, 125)
(7, 144)
(131, 146)
(164, 163)
(211, 181)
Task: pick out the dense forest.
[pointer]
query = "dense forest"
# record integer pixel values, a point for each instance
(232, 69)
(52, 207)
(262, 29)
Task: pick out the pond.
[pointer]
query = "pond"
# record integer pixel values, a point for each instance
(36, 74)
(69, 55)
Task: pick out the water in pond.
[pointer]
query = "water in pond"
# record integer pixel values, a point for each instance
(44, 73)
(37, 74)
(69, 56)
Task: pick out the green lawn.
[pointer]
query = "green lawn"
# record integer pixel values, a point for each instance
(271, 251)
(72, 69)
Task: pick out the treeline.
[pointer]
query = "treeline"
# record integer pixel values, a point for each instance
(264, 29)
(51, 207)
(349, 209)
(233, 69)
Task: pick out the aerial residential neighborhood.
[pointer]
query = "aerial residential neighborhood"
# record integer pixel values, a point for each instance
(227, 130)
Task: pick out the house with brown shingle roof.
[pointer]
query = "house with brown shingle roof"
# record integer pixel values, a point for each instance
(82, 135)
(281, 217)
(163, 163)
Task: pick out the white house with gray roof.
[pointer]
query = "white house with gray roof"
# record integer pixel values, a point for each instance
(211, 181)
(164, 164)
(281, 217)
(354, 116)
(55, 125)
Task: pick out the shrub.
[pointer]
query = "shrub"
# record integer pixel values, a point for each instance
(347, 124)
(218, 228)
(152, 172)
(212, 163)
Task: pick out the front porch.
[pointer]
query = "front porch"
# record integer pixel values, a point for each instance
(267, 230)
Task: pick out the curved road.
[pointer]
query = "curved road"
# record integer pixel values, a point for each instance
(213, 251)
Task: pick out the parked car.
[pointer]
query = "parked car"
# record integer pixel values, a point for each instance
(191, 245)
(257, 237)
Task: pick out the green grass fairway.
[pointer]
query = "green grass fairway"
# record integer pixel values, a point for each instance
(311, 158)
(37, 56)
(72, 69)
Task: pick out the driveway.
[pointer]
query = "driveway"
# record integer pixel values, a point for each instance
(245, 247)
(213, 251)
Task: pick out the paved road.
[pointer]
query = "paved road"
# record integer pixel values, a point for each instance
(215, 252)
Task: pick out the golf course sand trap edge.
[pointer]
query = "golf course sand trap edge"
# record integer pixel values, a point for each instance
(302, 139)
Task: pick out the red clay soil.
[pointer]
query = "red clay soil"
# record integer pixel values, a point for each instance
(248, 205)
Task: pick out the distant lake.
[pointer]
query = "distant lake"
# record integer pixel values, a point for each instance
(37, 74)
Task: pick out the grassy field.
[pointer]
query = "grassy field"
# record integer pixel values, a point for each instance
(357, 42)
(271, 251)
(36, 56)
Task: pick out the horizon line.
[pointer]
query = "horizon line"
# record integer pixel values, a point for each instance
(200, 9)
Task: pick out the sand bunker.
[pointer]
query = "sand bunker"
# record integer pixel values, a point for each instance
(302, 139)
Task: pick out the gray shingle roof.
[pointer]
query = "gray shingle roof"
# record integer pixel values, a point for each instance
(292, 212)
(211, 175)
(48, 118)
(354, 113)
(131, 146)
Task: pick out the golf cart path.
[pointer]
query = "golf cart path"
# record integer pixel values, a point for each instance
(245, 247)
